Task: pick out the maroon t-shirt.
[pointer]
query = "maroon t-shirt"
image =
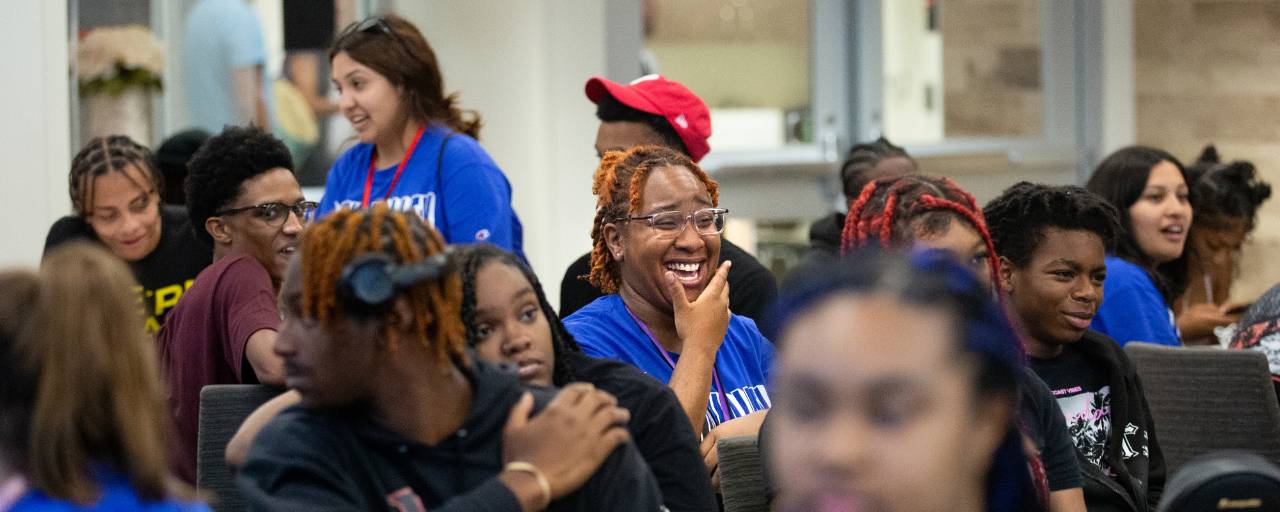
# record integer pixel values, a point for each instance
(203, 339)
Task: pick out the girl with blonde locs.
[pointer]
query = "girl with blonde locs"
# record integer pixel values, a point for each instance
(615, 201)
(655, 243)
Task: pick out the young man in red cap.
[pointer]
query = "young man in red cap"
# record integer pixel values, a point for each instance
(654, 110)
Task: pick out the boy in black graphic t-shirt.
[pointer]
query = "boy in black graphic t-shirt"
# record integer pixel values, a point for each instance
(1052, 243)
(1084, 395)
(116, 194)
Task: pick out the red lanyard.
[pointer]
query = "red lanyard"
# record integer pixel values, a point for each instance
(373, 167)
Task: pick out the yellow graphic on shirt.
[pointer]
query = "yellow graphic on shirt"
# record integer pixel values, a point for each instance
(155, 303)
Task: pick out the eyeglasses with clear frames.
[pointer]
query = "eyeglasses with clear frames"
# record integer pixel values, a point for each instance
(276, 214)
(707, 221)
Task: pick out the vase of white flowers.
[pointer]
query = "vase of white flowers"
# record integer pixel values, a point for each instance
(118, 69)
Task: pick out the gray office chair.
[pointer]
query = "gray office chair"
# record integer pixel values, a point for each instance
(222, 409)
(741, 475)
(1208, 399)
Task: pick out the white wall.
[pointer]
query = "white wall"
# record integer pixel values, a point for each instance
(1118, 115)
(35, 137)
(523, 65)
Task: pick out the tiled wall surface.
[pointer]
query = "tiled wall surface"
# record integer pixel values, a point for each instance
(1209, 71)
(991, 67)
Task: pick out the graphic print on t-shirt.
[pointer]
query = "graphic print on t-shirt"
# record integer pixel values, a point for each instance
(1088, 417)
(740, 402)
(422, 204)
(157, 302)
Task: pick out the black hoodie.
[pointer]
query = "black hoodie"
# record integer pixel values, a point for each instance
(1132, 451)
(342, 460)
(824, 239)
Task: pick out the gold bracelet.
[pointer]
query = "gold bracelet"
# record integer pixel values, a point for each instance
(543, 483)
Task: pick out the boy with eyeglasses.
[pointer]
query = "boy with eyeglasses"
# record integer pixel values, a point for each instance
(245, 202)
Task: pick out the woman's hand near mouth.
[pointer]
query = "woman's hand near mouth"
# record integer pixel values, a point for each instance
(701, 324)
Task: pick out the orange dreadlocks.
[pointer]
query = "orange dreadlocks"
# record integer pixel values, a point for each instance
(617, 185)
(330, 244)
(896, 209)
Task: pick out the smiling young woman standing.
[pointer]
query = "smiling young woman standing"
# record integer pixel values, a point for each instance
(1147, 270)
(417, 150)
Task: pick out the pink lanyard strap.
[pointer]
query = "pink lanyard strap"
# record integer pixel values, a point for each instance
(724, 407)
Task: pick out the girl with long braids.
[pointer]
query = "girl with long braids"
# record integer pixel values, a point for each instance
(509, 321)
(863, 164)
(115, 189)
(395, 412)
(656, 238)
(899, 212)
(417, 149)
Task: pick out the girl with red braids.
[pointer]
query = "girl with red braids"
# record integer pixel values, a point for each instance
(902, 211)
(899, 211)
(656, 239)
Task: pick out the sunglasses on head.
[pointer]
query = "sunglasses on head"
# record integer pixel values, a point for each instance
(372, 25)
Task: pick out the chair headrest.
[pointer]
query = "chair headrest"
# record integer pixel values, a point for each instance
(1223, 480)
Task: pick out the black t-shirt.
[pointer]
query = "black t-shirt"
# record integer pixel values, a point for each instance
(1045, 425)
(1084, 395)
(342, 460)
(165, 274)
(308, 24)
(659, 428)
(752, 287)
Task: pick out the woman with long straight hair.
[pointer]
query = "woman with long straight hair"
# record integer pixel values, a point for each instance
(1148, 269)
(83, 422)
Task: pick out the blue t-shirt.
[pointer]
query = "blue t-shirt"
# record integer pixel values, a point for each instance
(116, 496)
(476, 196)
(604, 328)
(1132, 308)
(220, 37)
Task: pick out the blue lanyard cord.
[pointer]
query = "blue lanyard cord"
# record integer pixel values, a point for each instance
(724, 408)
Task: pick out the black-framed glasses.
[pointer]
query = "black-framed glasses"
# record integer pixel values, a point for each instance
(707, 221)
(276, 213)
(372, 24)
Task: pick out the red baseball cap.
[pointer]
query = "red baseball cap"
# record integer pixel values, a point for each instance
(656, 95)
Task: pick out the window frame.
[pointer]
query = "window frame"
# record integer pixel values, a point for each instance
(847, 101)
